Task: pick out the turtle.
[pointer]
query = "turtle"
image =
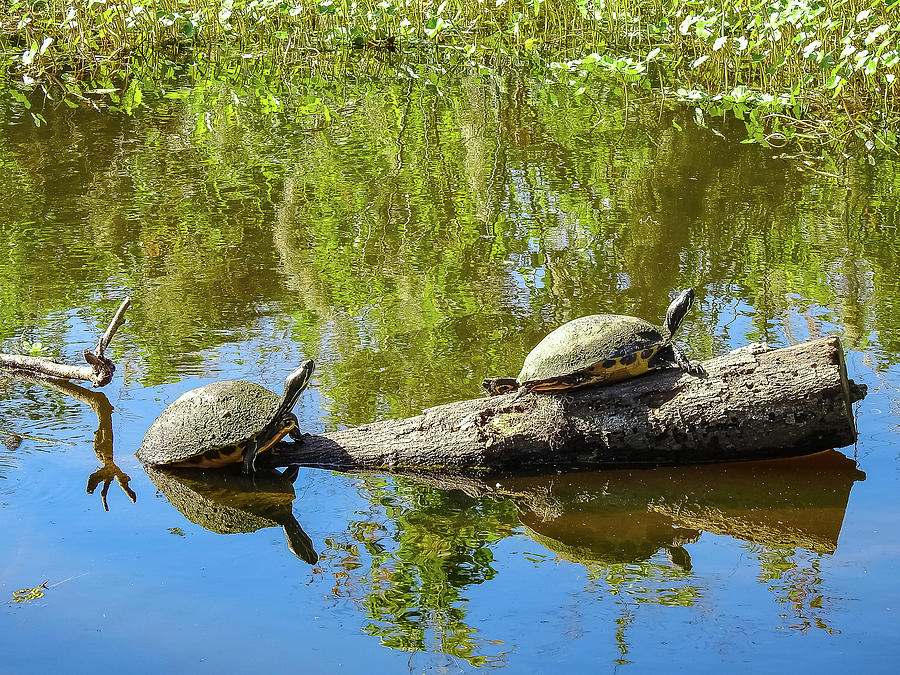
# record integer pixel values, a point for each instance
(224, 423)
(601, 349)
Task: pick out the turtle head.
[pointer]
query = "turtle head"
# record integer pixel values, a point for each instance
(294, 385)
(677, 310)
(282, 421)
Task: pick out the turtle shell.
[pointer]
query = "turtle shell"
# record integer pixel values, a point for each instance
(209, 426)
(592, 349)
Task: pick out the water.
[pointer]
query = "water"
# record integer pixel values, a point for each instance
(413, 247)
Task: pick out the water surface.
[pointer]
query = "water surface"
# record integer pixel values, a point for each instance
(412, 247)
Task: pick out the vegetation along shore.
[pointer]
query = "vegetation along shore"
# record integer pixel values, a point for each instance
(810, 73)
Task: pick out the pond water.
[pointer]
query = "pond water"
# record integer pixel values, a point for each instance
(412, 246)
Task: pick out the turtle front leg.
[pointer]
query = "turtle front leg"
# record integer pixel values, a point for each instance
(495, 386)
(681, 360)
(250, 453)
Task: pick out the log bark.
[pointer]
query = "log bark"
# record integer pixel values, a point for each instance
(756, 403)
(99, 371)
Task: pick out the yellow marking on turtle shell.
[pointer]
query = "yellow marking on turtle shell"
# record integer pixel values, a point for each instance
(602, 372)
(212, 459)
(232, 454)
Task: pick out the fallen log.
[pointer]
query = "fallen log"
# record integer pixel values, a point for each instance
(757, 402)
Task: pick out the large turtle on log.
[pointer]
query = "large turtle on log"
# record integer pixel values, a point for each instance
(224, 423)
(601, 349)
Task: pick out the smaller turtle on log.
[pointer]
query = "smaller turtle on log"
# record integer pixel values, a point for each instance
(224, 423)
(601, 349)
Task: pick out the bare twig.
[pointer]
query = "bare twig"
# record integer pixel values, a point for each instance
(117, 320)
(39, 439)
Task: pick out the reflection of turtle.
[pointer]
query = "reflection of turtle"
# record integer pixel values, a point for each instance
(600, 349)
(615, 549)
(228, 503)
(224, 422)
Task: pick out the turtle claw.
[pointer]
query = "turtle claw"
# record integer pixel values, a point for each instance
(695, 369)
(681, 361)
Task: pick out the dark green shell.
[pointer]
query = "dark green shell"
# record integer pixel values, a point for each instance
(218, 417)
(602, 342)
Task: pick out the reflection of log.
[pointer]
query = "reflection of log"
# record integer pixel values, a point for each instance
(226, 503)
(756, 403)
(628, 515)
(787, 503)
(99, 370)
(103, 437)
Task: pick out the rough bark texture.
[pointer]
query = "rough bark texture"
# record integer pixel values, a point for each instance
(756, 403)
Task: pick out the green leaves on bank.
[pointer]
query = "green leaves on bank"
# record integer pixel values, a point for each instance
(808, 70)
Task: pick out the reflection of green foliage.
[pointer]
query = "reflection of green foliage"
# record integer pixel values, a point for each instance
(775, 562)
(794, 577)
(647, 583)
(433, 545)
(419, 242)
(622, 624)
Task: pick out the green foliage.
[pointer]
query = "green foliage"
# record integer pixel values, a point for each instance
(34, 348)
(790, 69)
